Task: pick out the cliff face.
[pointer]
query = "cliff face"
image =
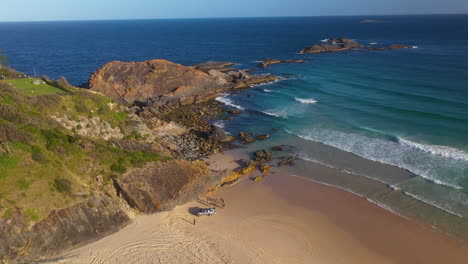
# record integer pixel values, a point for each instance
(81, 223)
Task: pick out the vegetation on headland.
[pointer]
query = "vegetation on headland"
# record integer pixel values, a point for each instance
(45, 165)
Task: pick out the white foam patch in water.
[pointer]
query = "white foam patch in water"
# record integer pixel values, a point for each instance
(275, 113)
(394, 187)
(444, 151)
(415, 47)
(229, 102)
(421, 199)
(324, 40)
(374, 43)
(305, 101)
(221, 124)
(422, 163)
(267, 91)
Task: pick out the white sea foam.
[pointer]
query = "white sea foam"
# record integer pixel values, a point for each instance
(305, 101)
(229, 102)
(275, 113)
(374, 43)
(444, 151)
(267, 91)
(439, 169)
(415, 47)
(220, 123)
(324, 40)
(394, 187)
(421, 199)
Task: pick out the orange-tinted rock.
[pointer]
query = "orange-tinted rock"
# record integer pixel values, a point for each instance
(129, 82)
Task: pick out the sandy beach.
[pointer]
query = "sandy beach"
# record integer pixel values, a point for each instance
(282, 219)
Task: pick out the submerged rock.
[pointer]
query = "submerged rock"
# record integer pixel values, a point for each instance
(394, 46)
(262, 155)
(287, 161)
(263, 137)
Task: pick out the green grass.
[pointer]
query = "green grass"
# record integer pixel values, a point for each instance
(27, 86)
(32, 215)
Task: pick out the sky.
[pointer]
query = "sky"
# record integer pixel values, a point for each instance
(51, 10)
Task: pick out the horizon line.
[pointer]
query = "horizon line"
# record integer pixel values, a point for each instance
(233, 17)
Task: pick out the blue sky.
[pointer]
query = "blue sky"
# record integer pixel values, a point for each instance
(45, 10)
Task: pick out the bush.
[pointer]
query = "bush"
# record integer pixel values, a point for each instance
(37, 155)
(12, 114)
(10, 132)
(32, 215)
(47, 101)
(119, 166)
(62, 185)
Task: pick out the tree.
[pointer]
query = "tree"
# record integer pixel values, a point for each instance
(3, 60)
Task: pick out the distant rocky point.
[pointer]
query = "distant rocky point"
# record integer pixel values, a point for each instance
(333, 45)
(342, 44)
(267, 62)
(369, 21)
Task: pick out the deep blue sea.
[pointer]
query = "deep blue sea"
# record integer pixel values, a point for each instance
(358, 112)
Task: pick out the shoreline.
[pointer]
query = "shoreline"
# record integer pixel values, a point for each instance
(281, 219)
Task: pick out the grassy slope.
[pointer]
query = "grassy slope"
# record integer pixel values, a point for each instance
(44, 166)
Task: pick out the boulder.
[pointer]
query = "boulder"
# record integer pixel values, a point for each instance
(262, 156)
(246, 138)
(264, 168)
(220, 135)
(267, 62)
(277, 148)
(162, 185)
(37, 82)
(263, 137)
(287, 161)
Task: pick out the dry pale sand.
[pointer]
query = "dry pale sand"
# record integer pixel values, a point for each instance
(314, 224)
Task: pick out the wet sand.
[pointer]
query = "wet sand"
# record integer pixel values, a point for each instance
(282, 219)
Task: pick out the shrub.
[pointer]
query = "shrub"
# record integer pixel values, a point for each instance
(119, 166)
(62, 185)
(23, 184)
(37, 155)
(47, 101)
(10, 132)
(12, 114)
(8, 213)
(32, 215)
(63, 82)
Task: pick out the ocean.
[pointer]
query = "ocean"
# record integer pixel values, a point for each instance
(394, 122)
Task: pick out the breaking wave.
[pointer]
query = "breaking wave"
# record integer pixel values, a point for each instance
(444, 151)
(229, 102)
(440, 165)
(306, 101)
(267, 91)
(275, 113)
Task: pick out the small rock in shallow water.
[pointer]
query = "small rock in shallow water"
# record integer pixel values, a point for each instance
(263, 137)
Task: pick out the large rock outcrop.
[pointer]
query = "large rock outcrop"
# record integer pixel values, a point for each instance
(138, 81)
(161, 186)
(164, 83)
(63, 229)
(333, 45)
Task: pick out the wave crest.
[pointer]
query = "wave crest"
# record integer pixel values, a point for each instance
(229, 102)
(305, 101)
(444, 151)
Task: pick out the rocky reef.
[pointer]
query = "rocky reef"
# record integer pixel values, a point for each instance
(333, 45)
(265, 63)
(343, 44)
